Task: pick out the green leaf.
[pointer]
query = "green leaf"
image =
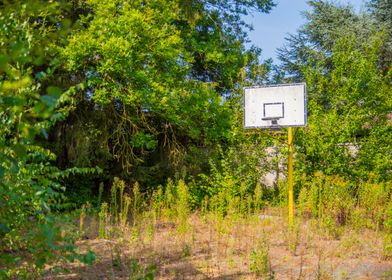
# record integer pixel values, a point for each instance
(54, 92)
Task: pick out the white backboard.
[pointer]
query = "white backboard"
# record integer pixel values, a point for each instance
(275, 106)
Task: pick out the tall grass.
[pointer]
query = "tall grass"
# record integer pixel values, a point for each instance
(332, 205)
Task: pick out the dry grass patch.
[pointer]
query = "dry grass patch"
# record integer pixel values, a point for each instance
(231, 247)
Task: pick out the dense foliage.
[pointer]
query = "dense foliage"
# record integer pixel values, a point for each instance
(341, 58)
(152, 90)
(135, 88)
(345, 153)
(149, 83)
(30, 183)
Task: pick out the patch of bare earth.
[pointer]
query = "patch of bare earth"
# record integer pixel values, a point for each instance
(212, 247)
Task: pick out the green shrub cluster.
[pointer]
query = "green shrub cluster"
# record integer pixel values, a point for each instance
(335, 202)
(31, 185)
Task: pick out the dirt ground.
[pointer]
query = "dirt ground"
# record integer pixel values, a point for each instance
(209, 247)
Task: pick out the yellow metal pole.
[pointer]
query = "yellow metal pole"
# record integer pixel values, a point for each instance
(290, 176)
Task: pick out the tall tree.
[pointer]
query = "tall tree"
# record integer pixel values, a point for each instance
(338, 54)
(325, 22)
(149, 80)
(381, 10)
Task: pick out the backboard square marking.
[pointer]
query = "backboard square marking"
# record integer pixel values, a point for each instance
(273, 110)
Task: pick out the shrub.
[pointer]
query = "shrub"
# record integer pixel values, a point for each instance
(260, 261)
(373, 202)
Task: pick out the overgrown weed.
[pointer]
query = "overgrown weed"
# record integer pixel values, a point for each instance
(260, 262)
(228, 228)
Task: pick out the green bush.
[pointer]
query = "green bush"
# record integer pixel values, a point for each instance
(31, 189)
(330, 200)
(260, 262)
(373, 203)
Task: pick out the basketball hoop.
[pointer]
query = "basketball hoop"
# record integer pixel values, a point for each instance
(274, 107)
